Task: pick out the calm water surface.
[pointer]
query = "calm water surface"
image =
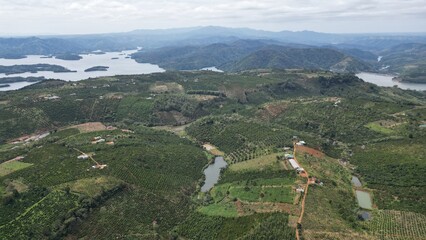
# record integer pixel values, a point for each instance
(212, 173)
(120, 66)
(364, 199)
(356, 182)
(386, 81)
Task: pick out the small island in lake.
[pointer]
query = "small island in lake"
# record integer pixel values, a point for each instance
(32, 68)
(12, 56)
(68, 57)
(4, 85)
(97, 68)
(7, 80)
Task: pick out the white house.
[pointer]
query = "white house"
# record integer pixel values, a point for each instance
(293, 163)
(83, 156)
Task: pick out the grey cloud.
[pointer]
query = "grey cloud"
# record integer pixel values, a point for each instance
(84, 16)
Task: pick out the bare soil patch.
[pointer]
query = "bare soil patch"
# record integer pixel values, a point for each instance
(90, 127)
(166, 88)
(311, 151)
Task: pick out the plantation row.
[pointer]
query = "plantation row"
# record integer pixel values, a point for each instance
(388, 224)
(161, 169)
(258, 226)
(240, 139)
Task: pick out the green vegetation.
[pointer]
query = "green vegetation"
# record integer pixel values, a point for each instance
(250, 54)
(387, 224)
(68, 56)
(10, 167)
(147, 184)
(97, 68)
(268, 161)
(220, 209)
(393, 169)
(259, 226)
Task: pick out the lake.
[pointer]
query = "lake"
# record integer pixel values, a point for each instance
(356, 182)
(212, 173)
(386, 81)
(118, 63)
(364, 199)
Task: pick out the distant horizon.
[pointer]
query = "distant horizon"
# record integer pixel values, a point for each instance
(23, 35)
(62, 17)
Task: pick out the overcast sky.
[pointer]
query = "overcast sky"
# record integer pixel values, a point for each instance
(28, 17)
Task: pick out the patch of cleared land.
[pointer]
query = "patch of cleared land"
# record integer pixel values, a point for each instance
(166, 88)
(92, 186)
(90, 127)
(202, 98)
(219, 209)
(12, 166)
(212, 149)
(267, 161)
(377, 127)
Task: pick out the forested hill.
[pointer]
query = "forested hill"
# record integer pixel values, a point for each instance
(251, 54)
(307, 58)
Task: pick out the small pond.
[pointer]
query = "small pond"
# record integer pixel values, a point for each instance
(212, 173)
(356, 182)
(364, 199)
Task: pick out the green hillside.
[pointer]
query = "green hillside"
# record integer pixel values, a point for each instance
(140, 140)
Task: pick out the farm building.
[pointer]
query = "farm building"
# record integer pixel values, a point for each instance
(301, 143)
(98, 141)
(293, 163)
(296, 166)
(288, 156)
(83, 156)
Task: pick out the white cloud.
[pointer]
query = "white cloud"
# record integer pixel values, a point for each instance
(86, 16)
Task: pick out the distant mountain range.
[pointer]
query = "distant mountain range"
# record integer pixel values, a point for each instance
(238, 48)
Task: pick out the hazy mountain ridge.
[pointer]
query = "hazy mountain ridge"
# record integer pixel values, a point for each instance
(250, 54)
(307, 58)
(194, 36)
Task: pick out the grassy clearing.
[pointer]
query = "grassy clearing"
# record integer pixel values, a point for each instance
(19, 185)
(262, 190)
(378, 128)
(92, 186)
(10, 167)
(260, 163)
(219, 209)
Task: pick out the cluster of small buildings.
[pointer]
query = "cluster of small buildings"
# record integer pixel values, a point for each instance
(127, 131)
(28, 138)
(99, 166)
(51, 97)
(83, 156)
(97, 140)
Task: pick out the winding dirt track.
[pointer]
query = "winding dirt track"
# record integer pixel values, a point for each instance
(299, 221)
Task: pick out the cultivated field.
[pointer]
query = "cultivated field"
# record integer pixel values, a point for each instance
(397, 225)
